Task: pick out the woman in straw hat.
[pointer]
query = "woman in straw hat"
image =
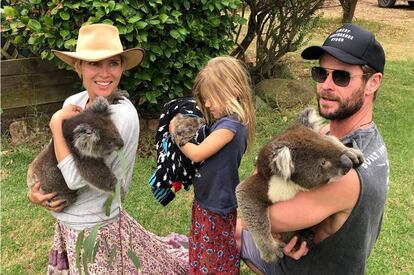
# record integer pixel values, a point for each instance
(100, 60)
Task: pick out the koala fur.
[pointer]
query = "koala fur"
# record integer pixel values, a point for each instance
(186, 128)
(91, 135)
(299, 159)
(173, 168)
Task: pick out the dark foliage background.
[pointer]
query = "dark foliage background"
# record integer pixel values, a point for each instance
(178, 36)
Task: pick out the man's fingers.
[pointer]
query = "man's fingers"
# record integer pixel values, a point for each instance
(290, 245)
(290, 250)
(302, 251)
(303, 248)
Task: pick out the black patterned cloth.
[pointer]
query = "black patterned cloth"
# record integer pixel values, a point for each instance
(172, 165)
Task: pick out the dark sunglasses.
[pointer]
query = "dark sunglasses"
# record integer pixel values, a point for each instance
(340, 78)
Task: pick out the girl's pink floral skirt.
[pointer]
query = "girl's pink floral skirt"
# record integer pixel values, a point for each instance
(213, 248)
(156, 255)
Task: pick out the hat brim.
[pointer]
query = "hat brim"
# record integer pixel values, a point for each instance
(131, 57)
(315, 52)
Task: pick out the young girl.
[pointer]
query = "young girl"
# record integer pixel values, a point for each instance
(222, 90)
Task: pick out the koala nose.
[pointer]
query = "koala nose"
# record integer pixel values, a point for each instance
(120, 143)
(346, 163)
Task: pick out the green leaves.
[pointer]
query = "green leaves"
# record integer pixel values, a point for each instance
(134, 19)
(9, 11)
(64, 33)
(168, 31)
(108, 204)
(64, 15)
(134, 259)
(78, 249)
(175, 34)
(34, 25)
(141, 25)
(86, 249)
(70, 44)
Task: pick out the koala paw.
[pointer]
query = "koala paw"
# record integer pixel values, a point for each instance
(271, 252)
(117, 96)
(355, 155)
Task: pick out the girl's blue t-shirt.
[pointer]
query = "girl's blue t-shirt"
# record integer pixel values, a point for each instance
(215, 186)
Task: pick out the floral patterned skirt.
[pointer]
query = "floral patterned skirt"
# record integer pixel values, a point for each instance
(212, 244)
(156, 255)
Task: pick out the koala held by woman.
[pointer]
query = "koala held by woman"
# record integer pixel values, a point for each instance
(90, 135)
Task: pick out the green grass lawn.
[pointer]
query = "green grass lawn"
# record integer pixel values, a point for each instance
(26, 230)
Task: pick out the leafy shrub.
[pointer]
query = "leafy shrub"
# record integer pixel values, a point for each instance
(277, 27)
(178, 36)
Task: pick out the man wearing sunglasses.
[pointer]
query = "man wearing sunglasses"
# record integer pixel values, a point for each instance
(345, 216)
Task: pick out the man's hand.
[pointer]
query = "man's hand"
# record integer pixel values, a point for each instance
(290, 250)
(35, 196)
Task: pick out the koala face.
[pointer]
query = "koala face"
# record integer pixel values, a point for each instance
(304, 157)
(92, 132)
(97, 138)
(328, 161)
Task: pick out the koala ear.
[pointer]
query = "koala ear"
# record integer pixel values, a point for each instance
(100, 105)
(311, 119)
(282, 163)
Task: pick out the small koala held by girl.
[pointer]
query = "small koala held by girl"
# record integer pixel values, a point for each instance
(223, 92)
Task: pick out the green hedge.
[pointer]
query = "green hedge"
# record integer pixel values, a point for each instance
(178, 36)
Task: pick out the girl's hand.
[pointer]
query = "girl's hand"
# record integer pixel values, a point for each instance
(64, 113)
(35, 196)
(290, 250)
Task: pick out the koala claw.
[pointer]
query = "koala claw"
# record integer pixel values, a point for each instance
(272, 253)
(355, 155)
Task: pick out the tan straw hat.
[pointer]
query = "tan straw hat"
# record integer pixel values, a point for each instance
(100, 41)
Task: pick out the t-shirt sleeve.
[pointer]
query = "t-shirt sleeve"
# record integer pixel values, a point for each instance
(229, 124)
(70, 173)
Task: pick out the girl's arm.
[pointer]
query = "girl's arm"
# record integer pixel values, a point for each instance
(211, 145)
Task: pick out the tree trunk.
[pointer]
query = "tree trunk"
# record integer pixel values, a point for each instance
(348, 8)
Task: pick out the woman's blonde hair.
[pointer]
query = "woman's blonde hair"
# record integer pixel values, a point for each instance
(226, 82)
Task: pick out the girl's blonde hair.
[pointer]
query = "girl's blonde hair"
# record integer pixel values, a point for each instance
(226, 82)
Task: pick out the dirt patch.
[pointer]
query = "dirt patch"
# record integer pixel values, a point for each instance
(394, 27)
(401, 14)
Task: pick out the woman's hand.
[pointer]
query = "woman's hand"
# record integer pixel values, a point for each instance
(290, 250)
(65, 113)
(35, 196)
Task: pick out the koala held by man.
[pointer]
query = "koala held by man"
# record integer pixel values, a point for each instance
(299, 159)
(90, 135)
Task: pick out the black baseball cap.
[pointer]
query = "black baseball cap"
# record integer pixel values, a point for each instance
(350, 44)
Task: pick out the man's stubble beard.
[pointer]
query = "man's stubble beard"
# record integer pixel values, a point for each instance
(346, 107)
